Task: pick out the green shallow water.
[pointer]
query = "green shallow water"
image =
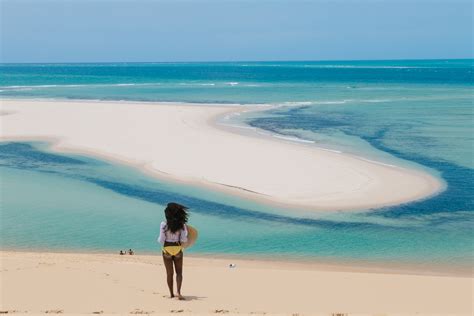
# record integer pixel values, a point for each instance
(90, 205)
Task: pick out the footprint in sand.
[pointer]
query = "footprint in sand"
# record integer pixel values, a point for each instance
(54, 311)
(139, 311)
(177, 310)
(221, 311)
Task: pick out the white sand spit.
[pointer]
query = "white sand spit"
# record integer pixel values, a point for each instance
(182, 143)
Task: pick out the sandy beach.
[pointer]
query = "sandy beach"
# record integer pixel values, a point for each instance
(36, 283)
(183, 143)
(270, 158)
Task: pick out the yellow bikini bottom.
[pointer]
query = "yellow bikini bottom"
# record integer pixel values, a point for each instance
(172, 250)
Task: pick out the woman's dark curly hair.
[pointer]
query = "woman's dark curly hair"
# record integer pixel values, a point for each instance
(176, 216)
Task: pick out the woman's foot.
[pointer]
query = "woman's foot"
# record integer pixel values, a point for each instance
(180, 297)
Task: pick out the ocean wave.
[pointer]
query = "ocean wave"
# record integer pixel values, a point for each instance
(357, 101)
(219, 84)
(288, 65)
(5, 89)
(140, 101)
(306, 103)
(195, 84)
(376, 162)
(78, 85)
(293, 139)
(39, 86)
(239, 126)
(294, 103)
(378, 100)
(330, 150)
(367, 67)
(335, 102)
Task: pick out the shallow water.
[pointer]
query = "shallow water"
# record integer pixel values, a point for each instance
(53, 201)
(416, 114)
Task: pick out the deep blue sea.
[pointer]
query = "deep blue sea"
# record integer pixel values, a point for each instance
(412, 113)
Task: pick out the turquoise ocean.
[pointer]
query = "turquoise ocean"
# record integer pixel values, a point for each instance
(412, 113)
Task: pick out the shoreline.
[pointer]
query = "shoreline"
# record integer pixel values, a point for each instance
(260, 190)
(319, 264)
(37, 283)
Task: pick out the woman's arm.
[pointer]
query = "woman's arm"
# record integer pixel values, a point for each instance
(162, 237)
(184, 234)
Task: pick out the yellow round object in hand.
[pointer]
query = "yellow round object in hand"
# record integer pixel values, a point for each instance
(192, 237)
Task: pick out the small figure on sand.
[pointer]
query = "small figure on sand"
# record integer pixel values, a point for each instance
(130, 252)
(122, 252)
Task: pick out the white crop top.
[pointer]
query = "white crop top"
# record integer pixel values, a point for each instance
(166, 235)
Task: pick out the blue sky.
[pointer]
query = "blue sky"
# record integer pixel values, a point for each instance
(223, 30)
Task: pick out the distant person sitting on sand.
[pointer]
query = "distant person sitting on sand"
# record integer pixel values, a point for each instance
(130, 252)
(173, 232)
(122, 252)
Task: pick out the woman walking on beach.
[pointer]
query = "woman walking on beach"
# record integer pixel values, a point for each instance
(173, 233)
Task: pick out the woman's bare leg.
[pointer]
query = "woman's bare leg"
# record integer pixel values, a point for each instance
(178, 265)
(168, 261)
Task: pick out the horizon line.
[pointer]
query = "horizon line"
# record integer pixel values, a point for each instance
(235, 61)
